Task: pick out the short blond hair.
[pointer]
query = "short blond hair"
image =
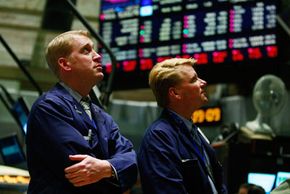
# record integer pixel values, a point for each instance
(165, 75)
(61, 46)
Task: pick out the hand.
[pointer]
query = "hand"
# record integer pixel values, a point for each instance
(88, 170)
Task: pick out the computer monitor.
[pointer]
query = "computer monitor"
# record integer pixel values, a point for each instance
(265, 180)
(20, 113)
(12, 152)
(281, 176)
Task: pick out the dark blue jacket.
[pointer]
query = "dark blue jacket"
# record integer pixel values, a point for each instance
(169, 163)
(56, 126)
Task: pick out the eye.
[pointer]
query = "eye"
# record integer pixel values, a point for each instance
(86, 50)
(193, 80)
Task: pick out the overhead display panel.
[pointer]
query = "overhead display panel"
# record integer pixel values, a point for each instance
(220, 34)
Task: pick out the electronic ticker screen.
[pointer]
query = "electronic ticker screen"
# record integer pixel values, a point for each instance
(223, 35)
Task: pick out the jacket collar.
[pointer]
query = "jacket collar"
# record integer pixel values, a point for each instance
(184, 135)
(60, 91)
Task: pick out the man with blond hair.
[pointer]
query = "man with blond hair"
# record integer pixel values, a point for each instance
(73, 146)
(174, 156)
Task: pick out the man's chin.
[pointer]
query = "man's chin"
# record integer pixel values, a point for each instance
(205, 101)
(99, 77)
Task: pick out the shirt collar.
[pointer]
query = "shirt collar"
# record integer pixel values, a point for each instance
(72, 92)
(188, 123)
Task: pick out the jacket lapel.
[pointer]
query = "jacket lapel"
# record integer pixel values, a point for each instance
(184, 135)
(78, 112)
(99, 121)
(181, 129)
(97, 126)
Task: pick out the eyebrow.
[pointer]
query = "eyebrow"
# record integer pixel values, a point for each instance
(86, 45)
(194, 77)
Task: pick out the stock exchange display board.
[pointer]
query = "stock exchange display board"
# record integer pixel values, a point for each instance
(222, 35)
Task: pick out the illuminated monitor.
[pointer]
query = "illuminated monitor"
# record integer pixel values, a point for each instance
(281, 176)
(20, 112)
(265, 180)
(238, 37)
(11, 151)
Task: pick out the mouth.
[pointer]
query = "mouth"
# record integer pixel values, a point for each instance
(99, 68)
(203, 93)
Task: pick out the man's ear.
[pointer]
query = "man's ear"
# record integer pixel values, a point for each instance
(173, 92)
(64, 64)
